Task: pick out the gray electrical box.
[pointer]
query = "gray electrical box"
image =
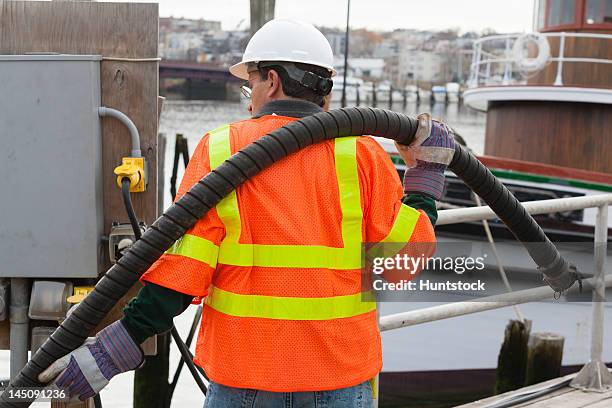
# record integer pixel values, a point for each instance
(51, 219)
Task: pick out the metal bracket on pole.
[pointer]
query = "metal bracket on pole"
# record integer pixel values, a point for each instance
(595, 376)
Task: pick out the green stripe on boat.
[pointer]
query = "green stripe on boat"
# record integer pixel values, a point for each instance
(535, 178)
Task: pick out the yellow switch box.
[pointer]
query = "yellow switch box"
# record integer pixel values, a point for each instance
(134, 169)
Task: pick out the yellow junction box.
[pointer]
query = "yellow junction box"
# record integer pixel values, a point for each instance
(134, 169)
(79, 294)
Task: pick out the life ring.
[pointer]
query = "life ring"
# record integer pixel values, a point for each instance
(526, 64)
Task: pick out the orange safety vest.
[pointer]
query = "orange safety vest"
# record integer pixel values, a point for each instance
(279, 262)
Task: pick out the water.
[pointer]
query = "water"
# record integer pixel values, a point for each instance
(193, 119)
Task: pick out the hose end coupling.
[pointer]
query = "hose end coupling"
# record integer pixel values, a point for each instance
(565, 279)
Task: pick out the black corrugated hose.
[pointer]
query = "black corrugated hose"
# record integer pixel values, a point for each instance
(187, 357)
(129, 208)
(243, 165)
(183, 348)
(190, 336)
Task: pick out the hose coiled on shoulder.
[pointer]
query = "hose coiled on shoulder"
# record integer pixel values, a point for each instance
(235, 171)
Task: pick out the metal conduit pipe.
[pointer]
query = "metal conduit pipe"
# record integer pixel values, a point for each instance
(19, 324)
(123, 118)
(235, 171)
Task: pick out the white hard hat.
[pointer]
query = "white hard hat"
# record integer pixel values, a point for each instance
(286, 40)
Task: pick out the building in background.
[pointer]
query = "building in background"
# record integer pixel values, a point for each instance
(390, 59)
(336, 38)
(186, 39)
(369, 69)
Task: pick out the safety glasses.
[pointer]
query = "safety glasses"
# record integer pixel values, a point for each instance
(246, 91)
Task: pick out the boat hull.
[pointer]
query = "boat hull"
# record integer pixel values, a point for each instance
(465, 349)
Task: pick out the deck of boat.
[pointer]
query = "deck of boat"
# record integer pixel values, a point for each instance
(563, 397)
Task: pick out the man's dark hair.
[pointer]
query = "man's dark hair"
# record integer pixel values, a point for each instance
(293, 88)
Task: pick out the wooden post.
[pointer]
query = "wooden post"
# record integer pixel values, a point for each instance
(544, 357)
(115, 31)
(163, 142)
(512, 359)
(161, 154)
(374, 94)
(126, 36)
(151, 381)
(180, 150)
(188, 89)
(262, 11)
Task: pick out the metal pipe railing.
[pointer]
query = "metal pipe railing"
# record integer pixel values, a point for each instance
(491, 60)
(470, 214)
(559, 77)
(599, 290)
(594, 376)
(449, 310)
(492, 38)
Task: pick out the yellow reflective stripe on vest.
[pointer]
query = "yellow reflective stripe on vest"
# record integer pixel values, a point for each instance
(348, 186)
(291, 256)
(219, 149)
(232, 252)
(288, 308)
(404, 225)
(400, 234)
(197, 248)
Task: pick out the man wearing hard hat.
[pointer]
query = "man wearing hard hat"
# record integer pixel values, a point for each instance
(284, 322)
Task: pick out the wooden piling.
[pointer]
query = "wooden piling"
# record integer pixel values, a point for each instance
(512, 360)
(151, 380)
(374, 94)
(181, 149)
(544, 357)
(153, 375)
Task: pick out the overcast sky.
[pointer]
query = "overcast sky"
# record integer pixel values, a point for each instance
(467, 15)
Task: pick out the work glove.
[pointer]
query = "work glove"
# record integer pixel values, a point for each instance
(427, 157)
(85, 371)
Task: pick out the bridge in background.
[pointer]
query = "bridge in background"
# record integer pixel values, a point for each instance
(190, 80)
(193, 70)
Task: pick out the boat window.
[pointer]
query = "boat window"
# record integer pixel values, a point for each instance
(598, 12)
(560, 12)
